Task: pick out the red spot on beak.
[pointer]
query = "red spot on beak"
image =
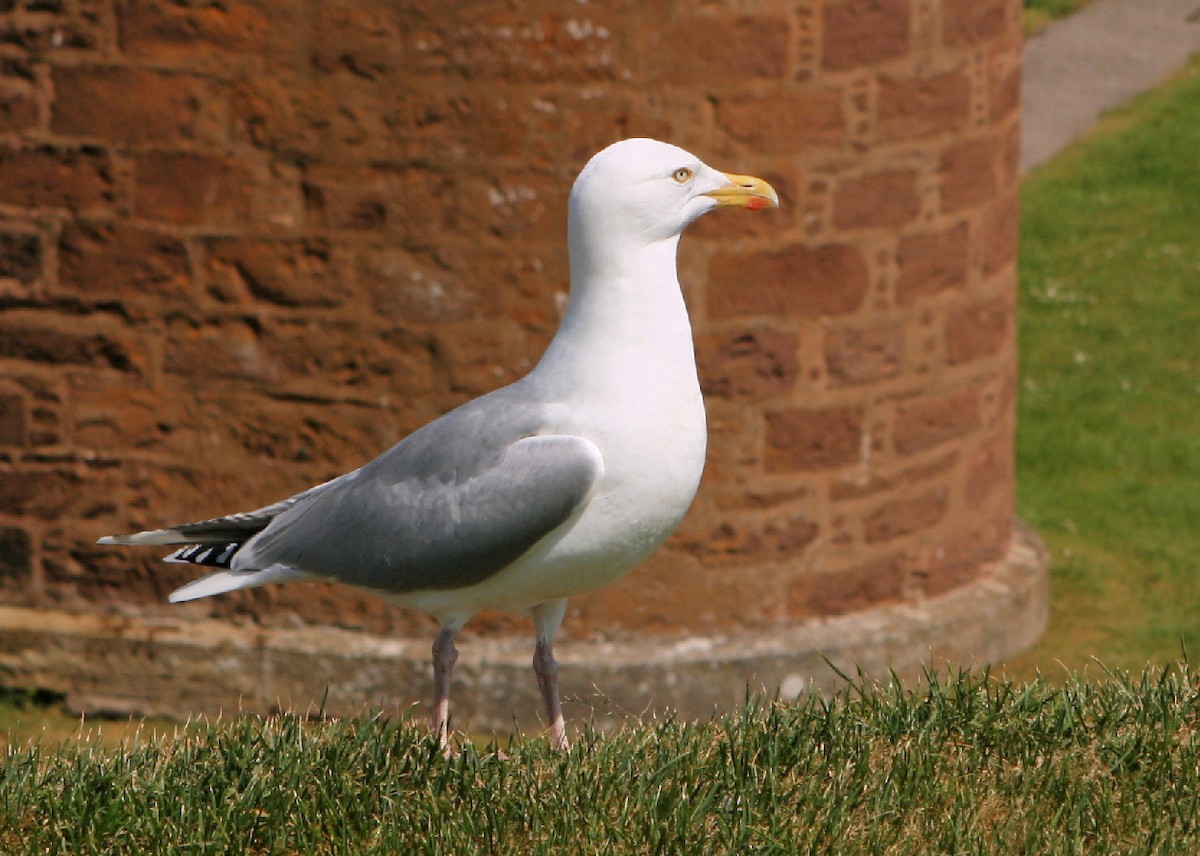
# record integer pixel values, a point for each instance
(756, 204)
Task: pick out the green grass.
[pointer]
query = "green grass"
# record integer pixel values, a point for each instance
(967, 764)
(1038, 13)
(1108, 439)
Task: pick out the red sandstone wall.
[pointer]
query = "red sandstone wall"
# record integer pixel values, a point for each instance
(244, 247)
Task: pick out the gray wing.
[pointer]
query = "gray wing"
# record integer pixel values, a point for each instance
(232, 529)
(447, 507)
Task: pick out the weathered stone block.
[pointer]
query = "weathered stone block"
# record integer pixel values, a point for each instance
(110, 258)
(20, 257)
(970, 22)
(50, 345)
(931, 421)
(804, 440)
(848, 589)
(805, 117)
(865, 32)
(932, 262)
(905, 516)
(881, 199)
(190, 188)
(51, 177)
(126, 105)
(967, 173)
(294, 273)
(915, 107)
(978, 330)
(797, 281)
(856, 355)
(13, 419)
(748, 365)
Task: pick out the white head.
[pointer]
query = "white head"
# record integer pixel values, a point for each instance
(640, 192)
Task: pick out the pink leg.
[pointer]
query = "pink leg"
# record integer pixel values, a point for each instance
(546, 618)
(445, 655)
(546, 669)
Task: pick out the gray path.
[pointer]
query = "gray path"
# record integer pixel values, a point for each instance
(1102, 56)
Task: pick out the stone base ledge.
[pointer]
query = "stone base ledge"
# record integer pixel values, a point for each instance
(117, 665)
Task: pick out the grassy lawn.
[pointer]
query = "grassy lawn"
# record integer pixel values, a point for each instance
(966, 765)
(1039, 13)
(1108, 440)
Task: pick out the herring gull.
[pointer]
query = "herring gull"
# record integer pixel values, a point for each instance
(555, 485)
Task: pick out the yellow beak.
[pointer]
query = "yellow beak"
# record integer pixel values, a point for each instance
(746, 191)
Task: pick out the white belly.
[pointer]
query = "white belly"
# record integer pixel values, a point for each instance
(649, 481)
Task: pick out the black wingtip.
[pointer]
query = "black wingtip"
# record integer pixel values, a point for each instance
(209, 555)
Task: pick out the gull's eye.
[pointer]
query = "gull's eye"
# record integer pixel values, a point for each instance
(682, 175)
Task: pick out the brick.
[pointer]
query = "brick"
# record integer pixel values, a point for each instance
(41, 33)
(377, 200)
(789, 537)
(551, 47)
(848, 590)
(342, 354)
(1001, 224)
(366, 41)
(880, 199)
(747, 365)
(211, 33)
(516, 205)
(47, 177)
(748, 538)
(932, 263)
(989, 471)
(12, 419)
(188, 188)
(264, 113)
(1009, 143)
(966, 23)
(228, 350)
(477, 357)
(904, 516)
(929, 422)
(960, 557)
(915, 107)
(309, 272)
(16, 557)
(967, 173)
(801, 118)
(55, 493)
(858, 355)
(18, 111)
(527, 287)
(751, 498)
(805, 440)
(423, 289)
(112, 414)
(37, 344)
(127, 105)
(20, 257)
(979, 330)
(864, 32)
(797, 281)
(695, 50)
(88, 577)
(1004, 84)
(858, 486)
(17, 68)
(112, 258)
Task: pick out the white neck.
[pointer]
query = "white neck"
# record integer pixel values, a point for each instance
(625, 323)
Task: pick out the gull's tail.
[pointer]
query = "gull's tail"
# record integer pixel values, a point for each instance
(214, 543)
